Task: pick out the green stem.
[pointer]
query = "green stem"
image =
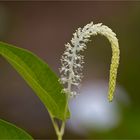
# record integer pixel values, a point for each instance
(56, 128)
(59, 137)
(62, 129)
(60, 132)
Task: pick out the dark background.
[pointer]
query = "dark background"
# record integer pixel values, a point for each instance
(44, 28)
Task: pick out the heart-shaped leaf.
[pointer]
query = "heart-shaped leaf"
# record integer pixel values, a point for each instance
(10, 131)
(39, 77)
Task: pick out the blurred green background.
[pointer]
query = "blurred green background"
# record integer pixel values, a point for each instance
(44, 28)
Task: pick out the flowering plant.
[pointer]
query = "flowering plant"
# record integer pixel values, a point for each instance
(55, 93)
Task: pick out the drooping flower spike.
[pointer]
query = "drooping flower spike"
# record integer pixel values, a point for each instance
(72, 59)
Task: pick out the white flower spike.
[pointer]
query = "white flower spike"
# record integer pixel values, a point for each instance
(72, 60)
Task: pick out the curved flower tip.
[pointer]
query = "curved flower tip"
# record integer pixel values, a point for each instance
(72, 60)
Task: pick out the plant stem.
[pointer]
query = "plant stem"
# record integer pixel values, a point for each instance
(59, 137)
(56, 128)
(60, 132)
(62, 128)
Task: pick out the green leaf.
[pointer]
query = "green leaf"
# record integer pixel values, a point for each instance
(10, 131)
(39, 77)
